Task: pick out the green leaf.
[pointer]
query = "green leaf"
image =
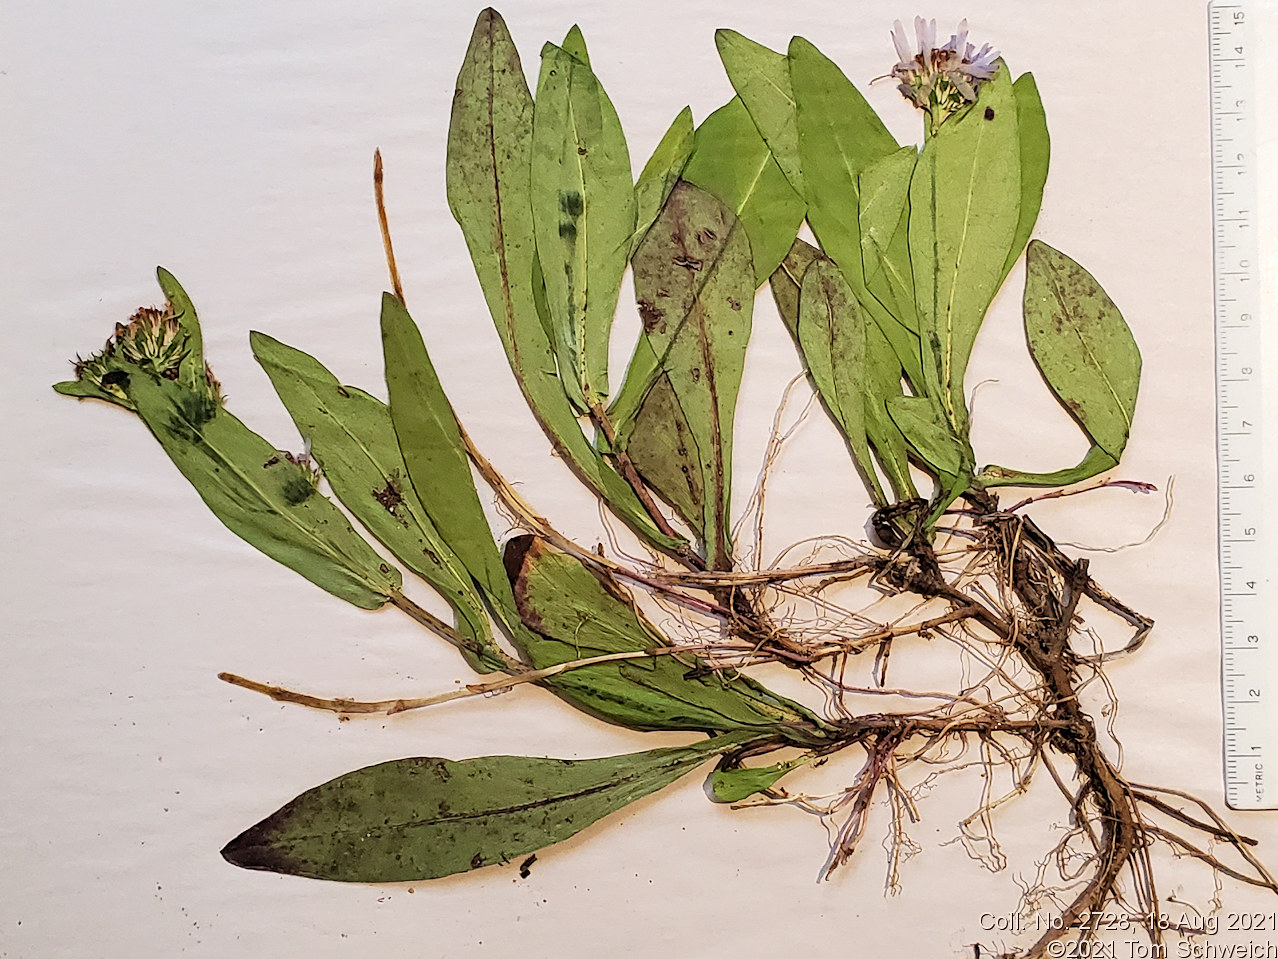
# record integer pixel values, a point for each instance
(964, 214)
(734, 785)
(695, 287)
(731, 161)
(665, 452)
(885, 248)
(1036, 148)
(433, 450)
(353, 439)
(575, 45)
(761, 78)
(930, 435)
(883, 370)
(260, 495)
(1082, 345)
(832, 336)
(840, 135)
(578, 614)
(883, 384)
(583, 208)
(661, 172)
(489, 192)
(192, 370)
(423, 818)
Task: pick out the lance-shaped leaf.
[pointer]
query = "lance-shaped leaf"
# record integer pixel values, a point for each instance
(1036, 148)
(579, 615)
(964, 211)
(882, 369)
(259, 494)
(731, 161)
(353, 439)
(930, 435)
(489, 193)
(695, 287)
(839, 136)
(433, 450)
(661, 173)
(885, 240)
(423, 818)
(761, 78)
(583, 208)
(1086, 353)
(832, 335)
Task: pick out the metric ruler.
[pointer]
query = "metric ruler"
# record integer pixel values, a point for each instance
(1246, 399)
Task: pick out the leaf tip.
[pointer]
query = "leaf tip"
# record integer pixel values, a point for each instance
(254, 849)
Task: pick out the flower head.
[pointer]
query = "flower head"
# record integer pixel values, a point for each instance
(153, 339)
(940, 80)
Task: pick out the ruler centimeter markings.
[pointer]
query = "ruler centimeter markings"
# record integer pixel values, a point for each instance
(1250, 700)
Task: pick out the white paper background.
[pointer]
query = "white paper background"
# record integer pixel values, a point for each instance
(232, 142)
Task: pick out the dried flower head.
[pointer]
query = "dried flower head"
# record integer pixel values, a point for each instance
(941, 80)
(153, 339)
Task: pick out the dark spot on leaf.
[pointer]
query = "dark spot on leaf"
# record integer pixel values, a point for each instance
(525, 867)
(706, 236)
(384, 568)
(432, 556)
(581, 151)
(341, 391)
(688, 262)
(696, 374)
(570, 203)
(650, 315)
(389, 496)
(198, 408)
(116, 378)
(271, 462)
(735, 304)
(476, 860)
(568, 230)
(297, 490)
(989, 113)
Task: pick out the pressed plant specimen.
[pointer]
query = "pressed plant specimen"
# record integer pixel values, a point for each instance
(913, 244)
